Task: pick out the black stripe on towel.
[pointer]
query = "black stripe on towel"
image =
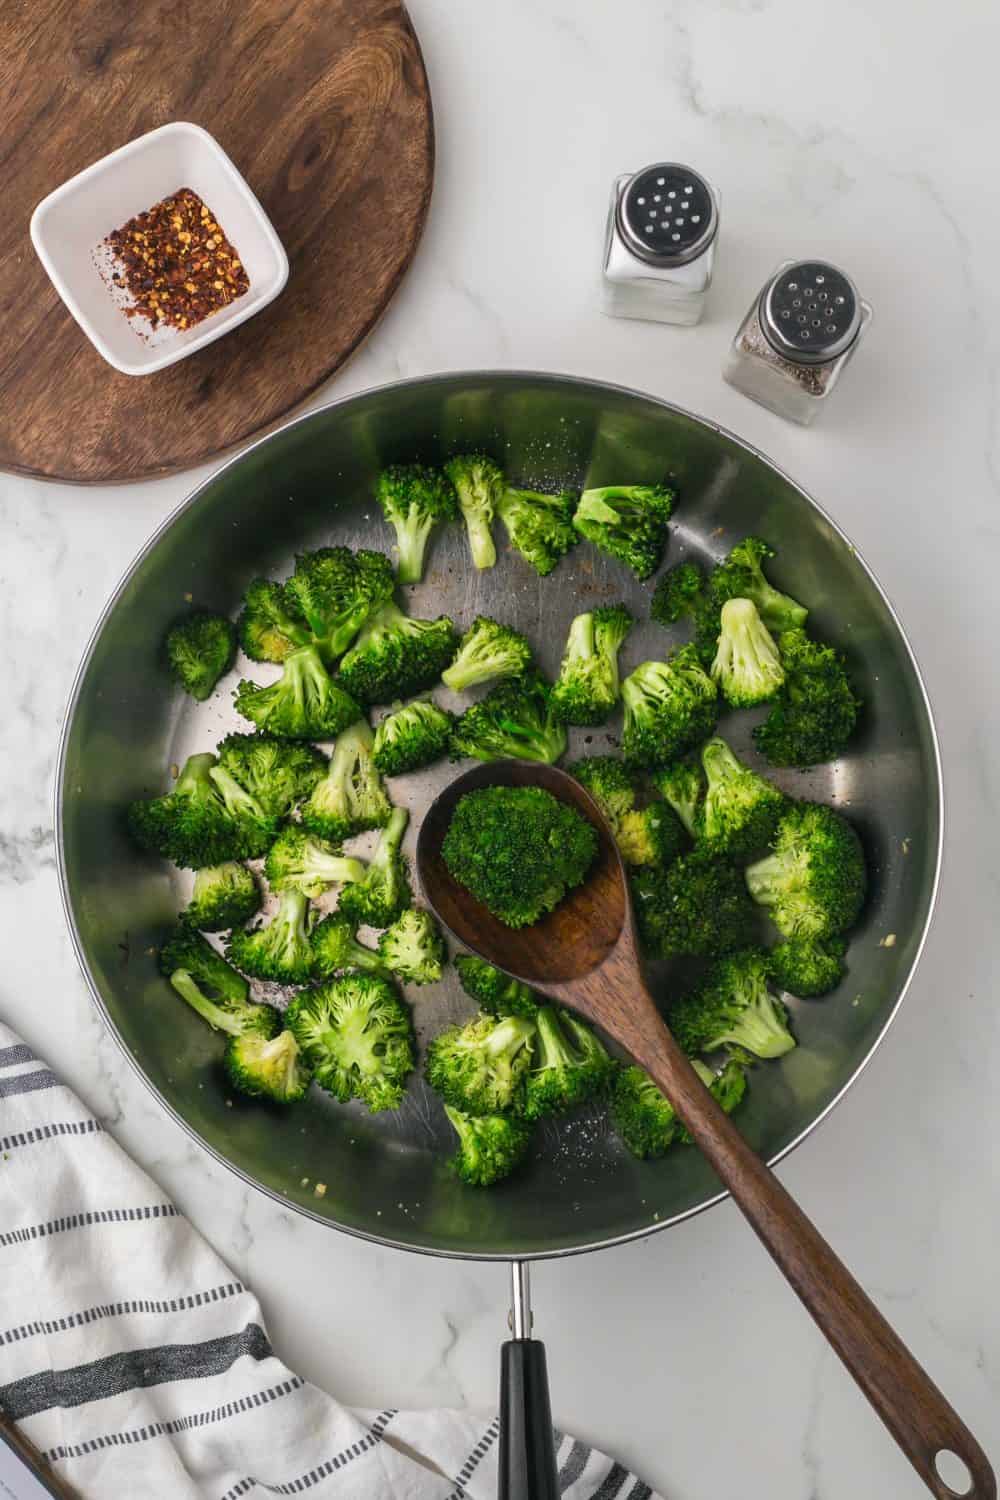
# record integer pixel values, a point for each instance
(19, 1053)
(576, 1461)
(27, 1083)
(134, 1369)
(41, 1133)
(85, 1220)
(120, 1310)
(322, 1471)
(613, 1484)
(474, 1459)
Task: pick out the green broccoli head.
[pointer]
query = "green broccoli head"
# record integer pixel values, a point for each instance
(305, 703)
(650, 835)
(569, 1066)
(489, 1146)
(518, 850)
(357, 1037)
(267, 1067)
(268, 628)
(200, 649)
(514, 721)
(697, 905)
(494, 992)
(192, 826)
(817, 709)
(641, 1114)
(212, 988)
(747, 665)
(335, 948)
(480, 1068)
(334, 590)
(383, 892)
(279, 949)
(610, 782)
(487, 651)
(414, 499)
(727, 1087)
(733, 1008)
(741, 576)
(669, 706)
(396, 656)
(478, 483)
(299, 861)
(813, 882)
(808, 967)
(682, 785)
(350, 798)
(588, 686)
(278, 774)
(413, 948)
(741, 808)
(258, 825)
(412, 737)
(677, 593)
(539, 526)
(224, 896)
(628, 522)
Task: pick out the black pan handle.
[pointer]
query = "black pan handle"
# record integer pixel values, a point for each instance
(527, 1456)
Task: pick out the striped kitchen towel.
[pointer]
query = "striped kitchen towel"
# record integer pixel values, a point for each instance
(140, 1366)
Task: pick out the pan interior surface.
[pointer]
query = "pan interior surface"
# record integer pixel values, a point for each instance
(311, 484)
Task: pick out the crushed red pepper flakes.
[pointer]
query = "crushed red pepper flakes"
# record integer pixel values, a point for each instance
(175, 263)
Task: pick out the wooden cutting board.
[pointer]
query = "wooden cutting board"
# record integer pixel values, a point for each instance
(324, 107)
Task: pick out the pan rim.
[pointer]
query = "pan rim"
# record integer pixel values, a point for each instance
(444, 377)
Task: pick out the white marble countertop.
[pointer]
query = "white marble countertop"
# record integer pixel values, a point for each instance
(865, 135)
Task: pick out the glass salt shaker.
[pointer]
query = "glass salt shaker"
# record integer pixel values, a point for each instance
(659, 247)
(797, 337)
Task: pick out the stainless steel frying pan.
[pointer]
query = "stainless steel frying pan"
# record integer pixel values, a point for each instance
(310, 484)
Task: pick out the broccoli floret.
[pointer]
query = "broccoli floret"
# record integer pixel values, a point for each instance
(493, 991)
(540, 526)
(268, 630)
(518, 850)
(480, 1067)
(224, 896)
(741, 809)
(350, 798)
(746, 666)
(384, 891)
(733, 1008)
(588, 685)
(276, 773)
(412, 737)
(335, 948)
(682, 785)
(644, 1117)
(514, 721)
(817, 709)
(677, 593)
(813, 883)
(610, 782)
(627, 521)
(569, 1066)
(726, 1087)
(279, 949)
(669, 705)
(200, 649)
(267, 1067)
(212, 988)
(192, 825)
(488, 650)
(808, 967)
(304, 704)
(741, 576)
(334, 590)
(260, 826)
(414, 499)
(489, 1146)
(696, 905)
(478, 484)
(396, 656)
(299, 861)
(357, 1037)
(413, 948)
(650, 835)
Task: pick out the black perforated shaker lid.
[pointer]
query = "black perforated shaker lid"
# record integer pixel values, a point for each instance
(667, 214)
(810, 312)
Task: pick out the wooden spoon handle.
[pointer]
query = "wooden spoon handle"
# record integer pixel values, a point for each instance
(909, 1403)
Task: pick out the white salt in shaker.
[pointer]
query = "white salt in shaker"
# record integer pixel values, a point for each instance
(659, 247)
(796, 338)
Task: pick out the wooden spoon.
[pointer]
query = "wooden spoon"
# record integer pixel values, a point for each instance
(585, 954)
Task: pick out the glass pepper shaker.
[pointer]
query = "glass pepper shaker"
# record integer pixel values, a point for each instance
(797, 337)
(659, 246)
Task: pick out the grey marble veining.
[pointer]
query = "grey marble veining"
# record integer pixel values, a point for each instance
(865, 135)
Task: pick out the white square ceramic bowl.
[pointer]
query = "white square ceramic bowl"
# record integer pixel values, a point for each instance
(69, 225)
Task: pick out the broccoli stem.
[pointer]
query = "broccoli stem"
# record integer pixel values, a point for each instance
(412, 534)
(217, 1017)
